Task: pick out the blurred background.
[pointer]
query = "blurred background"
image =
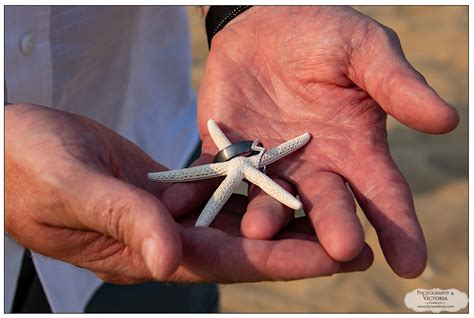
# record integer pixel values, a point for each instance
(435, 40)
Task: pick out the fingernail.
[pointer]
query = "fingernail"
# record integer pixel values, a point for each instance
(151, 254)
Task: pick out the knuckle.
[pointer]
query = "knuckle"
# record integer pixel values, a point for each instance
(380, 35)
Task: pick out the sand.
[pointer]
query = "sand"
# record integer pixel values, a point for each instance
(435, 40)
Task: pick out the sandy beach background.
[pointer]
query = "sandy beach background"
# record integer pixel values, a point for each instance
(435, 40)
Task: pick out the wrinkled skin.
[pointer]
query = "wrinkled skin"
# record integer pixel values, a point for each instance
(76, 191)
(276, 72)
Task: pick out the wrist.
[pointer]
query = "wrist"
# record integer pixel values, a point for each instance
(218, 17)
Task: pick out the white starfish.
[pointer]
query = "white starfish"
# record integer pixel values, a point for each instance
(235, 171)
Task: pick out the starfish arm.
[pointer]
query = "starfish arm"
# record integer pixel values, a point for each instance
(219, 198)
(217, 135)
(271, 187)
(282, 150)
(191, 174)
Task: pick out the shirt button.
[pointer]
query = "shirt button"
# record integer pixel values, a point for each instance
(27, 42)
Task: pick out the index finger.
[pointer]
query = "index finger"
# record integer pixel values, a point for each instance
(265, 216)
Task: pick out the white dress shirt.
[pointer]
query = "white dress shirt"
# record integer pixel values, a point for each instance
(126, 67)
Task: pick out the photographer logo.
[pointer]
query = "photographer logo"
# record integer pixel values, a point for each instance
(436, 300)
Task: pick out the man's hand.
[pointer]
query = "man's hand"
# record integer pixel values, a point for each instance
(276, 72)
(76, 191)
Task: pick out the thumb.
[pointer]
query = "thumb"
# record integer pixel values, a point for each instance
(136, 218)
(383, 71)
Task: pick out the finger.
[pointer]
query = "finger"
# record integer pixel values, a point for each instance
(212, 255)
(381, 68)
(135, 217)
(300, 224)
(228, 220)
(266, 216)
(182, 198)
(301, 228)
(360, 263)
(331, 208)
(385, 197)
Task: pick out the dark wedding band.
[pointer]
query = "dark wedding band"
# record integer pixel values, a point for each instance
(234, 150)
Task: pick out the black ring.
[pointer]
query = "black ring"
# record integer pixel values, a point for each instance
(234, 150)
